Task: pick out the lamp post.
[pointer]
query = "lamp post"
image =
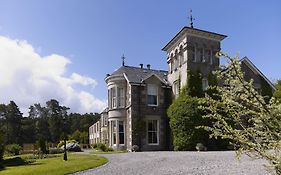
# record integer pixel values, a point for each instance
(64, 131)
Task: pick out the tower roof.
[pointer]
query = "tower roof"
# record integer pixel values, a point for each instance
(195, 32)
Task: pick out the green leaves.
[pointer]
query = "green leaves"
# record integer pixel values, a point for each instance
(243, 115)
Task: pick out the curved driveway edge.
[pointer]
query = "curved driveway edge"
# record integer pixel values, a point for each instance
(174, 163)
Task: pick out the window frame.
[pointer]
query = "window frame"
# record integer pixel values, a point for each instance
(157, 131)
(157, 94)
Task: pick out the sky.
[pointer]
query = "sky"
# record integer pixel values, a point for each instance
(64, 49)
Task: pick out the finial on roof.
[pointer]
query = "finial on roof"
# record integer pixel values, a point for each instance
(123, 60)
(191, 19)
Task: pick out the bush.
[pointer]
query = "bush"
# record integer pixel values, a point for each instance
(41, 143)
(102, 147)
(55, 150)
(1, 149)
(135, 148)
(61, 143)
(185, 116)
(13, 149)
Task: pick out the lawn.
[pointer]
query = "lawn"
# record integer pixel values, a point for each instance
(54, 165)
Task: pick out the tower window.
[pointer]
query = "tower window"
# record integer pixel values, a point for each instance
(200, 54)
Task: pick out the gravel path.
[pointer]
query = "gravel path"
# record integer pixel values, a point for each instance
(175, 163)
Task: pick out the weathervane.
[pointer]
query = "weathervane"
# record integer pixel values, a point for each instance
(191, 19)
(123, 60)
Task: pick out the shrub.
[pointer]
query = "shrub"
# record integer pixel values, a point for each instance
(1, 150)
(13, 149)
(55, 150)
(101, 146)
(135, 148)
(41, 143)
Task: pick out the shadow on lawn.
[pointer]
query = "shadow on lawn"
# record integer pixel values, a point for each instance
(15, 161)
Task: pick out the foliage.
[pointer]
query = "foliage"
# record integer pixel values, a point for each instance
(41, 143)
(243, 116)
(101, 146)
(266, 90)
(194, 84)
(61, 143)
(81, 137)
(55, 165)
(55, 150)
(185, 116)
(13, 149)
(277, 93)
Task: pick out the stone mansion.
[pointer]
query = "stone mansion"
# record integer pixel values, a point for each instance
(138, 97)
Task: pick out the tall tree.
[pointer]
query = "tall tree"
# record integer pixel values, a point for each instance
(14, 124)
(243, 116)
(277, 93)
(55, 114)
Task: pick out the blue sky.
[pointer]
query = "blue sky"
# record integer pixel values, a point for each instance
(93, 35)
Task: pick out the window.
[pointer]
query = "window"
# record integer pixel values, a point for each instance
(152, 131)
(205, 84)
(177, 88)
(191, 53)
(176, 63)
(113, 97)
(121, 97)
(200, 54)
(114, 130)
(121, 132)
(152, 95)
(207, 55)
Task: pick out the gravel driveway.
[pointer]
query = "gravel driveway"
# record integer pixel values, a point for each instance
(174, 163)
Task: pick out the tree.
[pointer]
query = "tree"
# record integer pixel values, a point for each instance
(277, 93)
(185, 116)
(55, 114)
(13, 124)
(194, 84)
(243, 116)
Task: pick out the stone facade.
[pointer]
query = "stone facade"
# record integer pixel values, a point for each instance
(138, 97)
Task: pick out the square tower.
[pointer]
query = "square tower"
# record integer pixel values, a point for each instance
(192, 49)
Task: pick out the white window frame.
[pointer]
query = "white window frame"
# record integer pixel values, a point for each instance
(156, 88)
(121, 132)
(205, 84)
(157, 132)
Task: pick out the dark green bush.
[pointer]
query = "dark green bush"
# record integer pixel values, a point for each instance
(13, 149)
(185, 116)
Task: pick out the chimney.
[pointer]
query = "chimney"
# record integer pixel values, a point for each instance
(148, 66)
(141, 66)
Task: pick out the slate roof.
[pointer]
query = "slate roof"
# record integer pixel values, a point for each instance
(137, 74)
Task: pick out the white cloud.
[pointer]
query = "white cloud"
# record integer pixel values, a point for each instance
(28, 78)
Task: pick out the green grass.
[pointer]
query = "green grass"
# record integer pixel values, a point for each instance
(51, 166)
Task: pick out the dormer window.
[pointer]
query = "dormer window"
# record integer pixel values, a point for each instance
(152, 95)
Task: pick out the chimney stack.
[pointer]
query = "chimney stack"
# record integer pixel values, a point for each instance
(148, 66)
(141, 66)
